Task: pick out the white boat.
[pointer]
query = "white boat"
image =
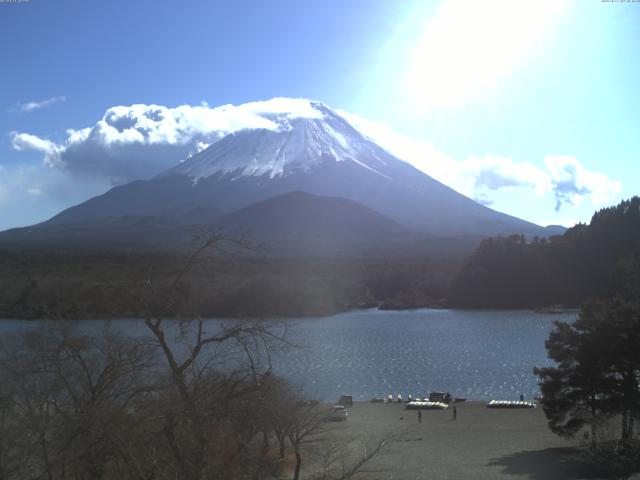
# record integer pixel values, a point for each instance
(510, 404)
(423, 405)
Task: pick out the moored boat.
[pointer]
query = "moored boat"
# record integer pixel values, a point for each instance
(423, 405)
(510, 404)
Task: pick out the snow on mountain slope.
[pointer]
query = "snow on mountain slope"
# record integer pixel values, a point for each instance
(297, 145)
(313, 149)
(303, 135)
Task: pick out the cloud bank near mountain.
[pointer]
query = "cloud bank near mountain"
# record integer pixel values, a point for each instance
(477, 176)
(139, 141)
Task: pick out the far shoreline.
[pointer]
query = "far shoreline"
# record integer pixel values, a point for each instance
(318, 315)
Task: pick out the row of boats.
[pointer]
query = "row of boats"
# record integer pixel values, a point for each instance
(510, 404)
(425, 405)
(434, 397)
(441, 401)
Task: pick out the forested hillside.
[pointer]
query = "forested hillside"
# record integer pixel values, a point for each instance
(587, 261)
(109, 285)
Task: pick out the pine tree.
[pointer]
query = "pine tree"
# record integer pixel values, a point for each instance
(598, 368)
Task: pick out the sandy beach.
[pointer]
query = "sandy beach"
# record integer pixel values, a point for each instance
(481, 443)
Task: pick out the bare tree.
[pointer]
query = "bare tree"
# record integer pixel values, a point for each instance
(192, 400)
(13, 451)
(346, 458)
(307, 423)
(72, 396)
(215, 375)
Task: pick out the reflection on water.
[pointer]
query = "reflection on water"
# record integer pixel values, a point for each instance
(472, 354)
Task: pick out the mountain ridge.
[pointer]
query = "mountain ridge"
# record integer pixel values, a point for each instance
(307, 147)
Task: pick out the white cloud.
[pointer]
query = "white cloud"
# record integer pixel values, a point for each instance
(29, 107)
(139, 141)
(127, 143)
(572, 183)
(477, 176)
(495, 172)
(289, 107)
(492, 172)
(26, 141)
(419, 153)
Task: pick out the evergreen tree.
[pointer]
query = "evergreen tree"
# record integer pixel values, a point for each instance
(577, 392)
(598, 368)
(509, 272)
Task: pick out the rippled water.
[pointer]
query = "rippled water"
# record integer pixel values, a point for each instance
(367, 353)
(472, 354)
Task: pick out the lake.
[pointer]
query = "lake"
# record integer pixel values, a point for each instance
(473, 354)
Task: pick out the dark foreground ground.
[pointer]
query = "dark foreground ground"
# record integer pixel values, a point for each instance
(481, 444)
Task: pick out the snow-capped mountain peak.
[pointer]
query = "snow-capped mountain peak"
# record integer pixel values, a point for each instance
(262, 150)
(302, 135)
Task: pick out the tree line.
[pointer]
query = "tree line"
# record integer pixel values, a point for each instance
(248, 286)
(586, 262)
(593, 391)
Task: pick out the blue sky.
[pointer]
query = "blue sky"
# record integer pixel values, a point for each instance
(529, 107)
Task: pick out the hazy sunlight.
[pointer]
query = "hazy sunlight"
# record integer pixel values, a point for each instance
(469, 46)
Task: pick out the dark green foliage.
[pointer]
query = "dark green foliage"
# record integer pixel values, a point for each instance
(597, 370)
(586, 262)
(92, 285)
(578, 391)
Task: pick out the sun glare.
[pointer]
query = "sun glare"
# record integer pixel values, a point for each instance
(469, 46)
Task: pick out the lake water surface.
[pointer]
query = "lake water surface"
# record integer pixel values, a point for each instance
(473, 354)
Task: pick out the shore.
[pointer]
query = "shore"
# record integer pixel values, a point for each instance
(481, 443)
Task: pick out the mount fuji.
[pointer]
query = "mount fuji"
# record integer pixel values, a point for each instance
(303, 147)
